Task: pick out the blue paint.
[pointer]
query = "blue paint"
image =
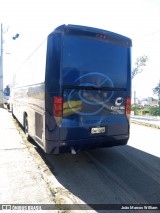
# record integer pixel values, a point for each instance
(90, 70)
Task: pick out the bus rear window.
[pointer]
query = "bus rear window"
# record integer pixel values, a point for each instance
(86, 55)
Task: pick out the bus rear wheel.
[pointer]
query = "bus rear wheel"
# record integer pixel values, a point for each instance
(12, 112)
(26, 129)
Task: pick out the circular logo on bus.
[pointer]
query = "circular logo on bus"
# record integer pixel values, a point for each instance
(119, 101)
(96, 96)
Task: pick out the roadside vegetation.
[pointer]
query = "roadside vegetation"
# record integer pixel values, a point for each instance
(146, 110)
(140, 109)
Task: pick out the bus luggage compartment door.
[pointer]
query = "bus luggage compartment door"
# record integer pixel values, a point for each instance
(89, 113)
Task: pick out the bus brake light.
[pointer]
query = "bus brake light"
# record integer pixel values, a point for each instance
(57, 106)
(128, 107)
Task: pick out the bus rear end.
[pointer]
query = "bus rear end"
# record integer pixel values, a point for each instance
(93, 107)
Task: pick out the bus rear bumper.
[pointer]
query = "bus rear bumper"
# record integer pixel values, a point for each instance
(57, 147)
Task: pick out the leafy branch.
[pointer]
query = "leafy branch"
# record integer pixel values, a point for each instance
(139, 64)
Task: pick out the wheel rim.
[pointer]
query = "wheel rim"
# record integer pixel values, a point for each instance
(26, 126)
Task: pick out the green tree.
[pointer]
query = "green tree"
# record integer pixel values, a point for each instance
(154, 110)
(139, 64)
(156, 90)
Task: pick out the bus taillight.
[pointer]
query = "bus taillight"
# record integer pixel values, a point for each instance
(58, 106)
(128, 108)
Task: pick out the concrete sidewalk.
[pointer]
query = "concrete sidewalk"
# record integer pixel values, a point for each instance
(21, 179)
(25, 177)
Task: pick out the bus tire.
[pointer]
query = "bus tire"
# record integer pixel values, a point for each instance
(26, 129)
(8, 107)
(12, 113)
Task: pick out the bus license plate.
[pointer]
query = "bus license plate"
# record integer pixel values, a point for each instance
(97, 130)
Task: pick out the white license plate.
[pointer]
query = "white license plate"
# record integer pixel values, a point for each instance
(97, 130)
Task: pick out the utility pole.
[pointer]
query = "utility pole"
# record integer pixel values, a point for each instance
(1, 66)
(135, 101)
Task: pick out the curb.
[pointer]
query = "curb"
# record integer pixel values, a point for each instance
(145, 124)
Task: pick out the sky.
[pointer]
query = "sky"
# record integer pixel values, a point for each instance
(35, 19)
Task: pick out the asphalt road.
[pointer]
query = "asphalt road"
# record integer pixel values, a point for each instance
(120, 175)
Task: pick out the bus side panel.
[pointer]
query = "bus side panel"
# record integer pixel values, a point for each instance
(29, 101)
(36, 112)
(19, 103)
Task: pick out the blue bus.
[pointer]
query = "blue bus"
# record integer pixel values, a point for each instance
(73, 92)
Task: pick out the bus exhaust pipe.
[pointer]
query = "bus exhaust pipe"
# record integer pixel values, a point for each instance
(73, 152)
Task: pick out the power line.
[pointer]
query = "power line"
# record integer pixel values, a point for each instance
(31, 54)
(148, 34)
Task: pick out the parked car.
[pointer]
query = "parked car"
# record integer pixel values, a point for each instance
(6, 97)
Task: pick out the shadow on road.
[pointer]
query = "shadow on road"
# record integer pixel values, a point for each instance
(118, 175)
